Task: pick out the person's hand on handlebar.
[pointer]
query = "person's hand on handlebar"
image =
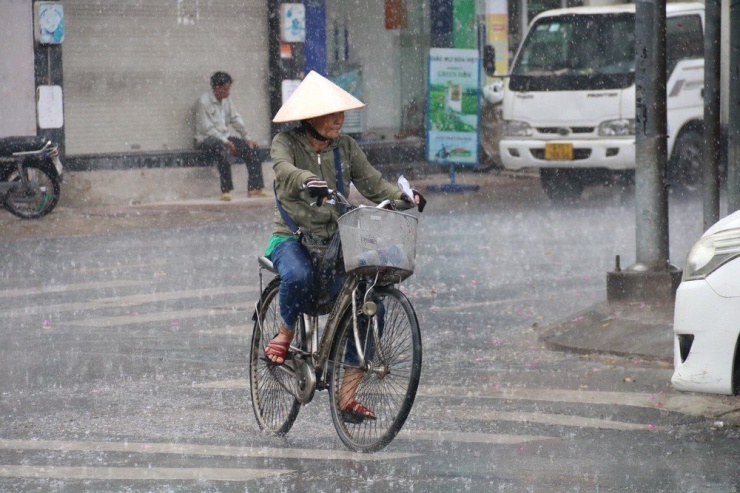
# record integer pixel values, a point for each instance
(317, 189)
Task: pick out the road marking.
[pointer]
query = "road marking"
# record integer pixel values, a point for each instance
(139, 473)
(106, 268)
(467, 437)
(63, 288)
(132, 300)
(195, 449)
(689, 404)
(439, 436)
(144, 318)
(481, 304)
(236, 384)
(542, 418)
(243, 331)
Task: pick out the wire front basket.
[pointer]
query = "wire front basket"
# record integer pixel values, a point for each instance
(379, 241)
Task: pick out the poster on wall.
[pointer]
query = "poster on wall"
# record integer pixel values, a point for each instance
(497, 32)
(292, 22)
(453, 113)
(349, 77)
(49, 22)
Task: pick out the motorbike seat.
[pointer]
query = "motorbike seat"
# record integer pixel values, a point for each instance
(11, 145)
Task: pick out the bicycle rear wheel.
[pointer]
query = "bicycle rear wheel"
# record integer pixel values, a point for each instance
(389, 377)
(273, 388)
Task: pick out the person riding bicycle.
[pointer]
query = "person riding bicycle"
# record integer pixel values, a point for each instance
(304, 164)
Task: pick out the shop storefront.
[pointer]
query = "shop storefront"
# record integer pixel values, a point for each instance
(133, 69)
(376, 50)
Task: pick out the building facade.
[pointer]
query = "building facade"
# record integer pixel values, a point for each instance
(131, 70)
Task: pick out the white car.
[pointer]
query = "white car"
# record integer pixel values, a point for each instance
(707, 313)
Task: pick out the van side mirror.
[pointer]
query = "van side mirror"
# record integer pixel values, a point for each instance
(489, 60)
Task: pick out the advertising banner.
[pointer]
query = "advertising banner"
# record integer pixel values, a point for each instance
(349, 77)
(453, 113)
(497, 32)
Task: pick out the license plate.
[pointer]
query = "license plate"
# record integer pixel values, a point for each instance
(559, 152)
(57, 164)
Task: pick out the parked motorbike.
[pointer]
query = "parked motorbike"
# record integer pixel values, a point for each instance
(30, 176)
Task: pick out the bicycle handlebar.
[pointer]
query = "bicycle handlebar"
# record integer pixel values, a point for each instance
(392, 204)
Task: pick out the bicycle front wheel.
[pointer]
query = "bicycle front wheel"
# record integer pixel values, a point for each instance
(273, 388)
(386, 379)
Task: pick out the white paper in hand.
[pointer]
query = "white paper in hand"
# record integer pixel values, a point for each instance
(405, 187)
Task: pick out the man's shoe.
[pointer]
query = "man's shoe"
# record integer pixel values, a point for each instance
(257, 193)
(226, 197)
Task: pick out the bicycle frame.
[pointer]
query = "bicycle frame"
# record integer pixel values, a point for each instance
(318, 351)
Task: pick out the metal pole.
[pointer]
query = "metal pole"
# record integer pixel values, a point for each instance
(712, 32)
(275, 75)
(733, 151)
(651, 191)
(523, 18)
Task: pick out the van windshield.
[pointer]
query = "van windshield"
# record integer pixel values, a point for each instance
(577, 52)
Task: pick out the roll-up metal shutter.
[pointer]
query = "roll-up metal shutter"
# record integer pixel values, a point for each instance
(134, 68)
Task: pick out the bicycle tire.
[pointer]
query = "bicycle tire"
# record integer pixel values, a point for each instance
(389, 395)
(40, 175)
(275, 407)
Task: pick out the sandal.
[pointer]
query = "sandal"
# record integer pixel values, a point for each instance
(278, 349)
(356, 413)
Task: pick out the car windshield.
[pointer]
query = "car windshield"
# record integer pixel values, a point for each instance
(577, 52)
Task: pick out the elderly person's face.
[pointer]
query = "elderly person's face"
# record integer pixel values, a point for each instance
(328, 125)
(222, 92)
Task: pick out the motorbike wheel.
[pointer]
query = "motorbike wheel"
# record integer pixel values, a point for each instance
(41, 195)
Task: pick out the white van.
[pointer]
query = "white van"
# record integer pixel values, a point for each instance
(569, 101)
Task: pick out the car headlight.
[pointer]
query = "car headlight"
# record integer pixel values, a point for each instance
(514, 128)
(617, 128)
(711, 252)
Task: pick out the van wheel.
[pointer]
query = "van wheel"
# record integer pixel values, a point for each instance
(561, 184)
(685, 167)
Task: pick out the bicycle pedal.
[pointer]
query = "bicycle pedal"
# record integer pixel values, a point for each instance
(270, 362)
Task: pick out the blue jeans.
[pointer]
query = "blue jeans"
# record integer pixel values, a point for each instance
(297, 294)
(297, 281)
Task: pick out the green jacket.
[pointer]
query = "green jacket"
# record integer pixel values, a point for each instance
(295, 162)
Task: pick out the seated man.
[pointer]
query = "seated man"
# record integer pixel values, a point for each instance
(214, 114)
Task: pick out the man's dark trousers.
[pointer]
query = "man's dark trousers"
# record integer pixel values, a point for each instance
(215, 150)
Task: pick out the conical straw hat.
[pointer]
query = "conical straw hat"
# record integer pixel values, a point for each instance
(316, 96)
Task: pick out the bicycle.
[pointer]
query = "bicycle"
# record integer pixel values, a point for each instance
(371, 331)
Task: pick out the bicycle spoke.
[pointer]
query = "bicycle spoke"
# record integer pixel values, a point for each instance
(389, 387)
(273, 389)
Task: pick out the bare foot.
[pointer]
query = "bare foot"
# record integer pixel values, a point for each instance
(277, 349)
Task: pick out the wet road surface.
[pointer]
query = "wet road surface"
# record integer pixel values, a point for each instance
(125, 347)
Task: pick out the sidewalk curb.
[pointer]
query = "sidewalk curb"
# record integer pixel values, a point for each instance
(600, 329)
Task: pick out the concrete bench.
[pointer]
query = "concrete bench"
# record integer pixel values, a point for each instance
(161, 176)
(385, 155)
(182, 158)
